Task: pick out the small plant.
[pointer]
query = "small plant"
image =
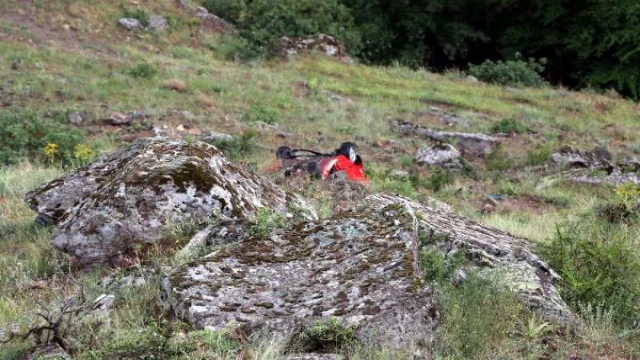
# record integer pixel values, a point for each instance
(437, 267)
(438, 180)
(266, 220)
(83, 153)
(515, 72)
(262, 113)
(26, 135)
(624, 208)
(327, 336)
(509, 126)
(598, 265)
(539, 155)
(498, 160)
(238, 147)
(143, 71)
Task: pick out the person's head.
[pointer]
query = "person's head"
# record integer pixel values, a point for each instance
(348, 149)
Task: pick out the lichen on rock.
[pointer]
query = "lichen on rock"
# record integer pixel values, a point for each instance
(360, 267)
(104, 209)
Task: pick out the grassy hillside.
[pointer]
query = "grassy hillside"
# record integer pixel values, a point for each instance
(65, 57)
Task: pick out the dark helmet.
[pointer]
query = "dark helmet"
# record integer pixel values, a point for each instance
(348, 149)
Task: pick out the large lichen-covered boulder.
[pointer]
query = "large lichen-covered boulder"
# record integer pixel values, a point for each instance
(106, 208)
(489, 252)
(360, 267)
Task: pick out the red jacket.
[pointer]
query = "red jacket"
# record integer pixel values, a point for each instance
(354, 171)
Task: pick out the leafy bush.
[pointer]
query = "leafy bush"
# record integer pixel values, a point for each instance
(476, 319)
(262, 22)
(266, 219)
(143, 71)
(538, 155)
(228, 10)
(599, 265)
(238, 147)
(498, 160)
(266, 114)
(23, 134)
(511, 72)
(438, 179)
(509, 126)
(327, 336)
(624, 208)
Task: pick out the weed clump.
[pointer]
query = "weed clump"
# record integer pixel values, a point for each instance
(509, 126)
(237, 147)
(515, 72)
(599, 265)
(26, 135)
(143, 71)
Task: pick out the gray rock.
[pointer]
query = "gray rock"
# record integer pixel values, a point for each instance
(213, 23)
(491, 252)
(75, 118)
(476, 144)
(321, 43)
(213, 137)
(360, 267)
(158, 23)
(591, 167)
(104, 210)
(357, 267)
(49, 351)
(438, 154)
(130, 24)
(598, 158)
(472, 79)
(314, 356)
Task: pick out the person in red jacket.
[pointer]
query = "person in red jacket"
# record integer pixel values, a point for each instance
(343, 160)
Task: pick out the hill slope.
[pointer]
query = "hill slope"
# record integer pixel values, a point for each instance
(71, 61)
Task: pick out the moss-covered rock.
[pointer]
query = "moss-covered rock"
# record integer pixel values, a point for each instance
(362, 268)
(109, 207)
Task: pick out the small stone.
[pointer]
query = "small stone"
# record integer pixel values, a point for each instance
(472, 79)
(158, 23)
(130, 24)
(439, 154)
(75, 118)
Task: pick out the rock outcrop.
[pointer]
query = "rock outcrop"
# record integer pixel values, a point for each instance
(322, 43)
(590, 167)
(124, 200)
(470, 143)
(360, 267)
(444, 155)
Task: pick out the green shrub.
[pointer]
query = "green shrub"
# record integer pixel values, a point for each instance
(511, 72)
(538, 155)
(509, 126)
(476, 319)
(266, 114)
(239, 147)
(438, 179)
(228, 10)
(266, 219)
(24, 134)
(263, 22)
(600, 266)
(327, 336)
(498, 160)
(143, 71)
